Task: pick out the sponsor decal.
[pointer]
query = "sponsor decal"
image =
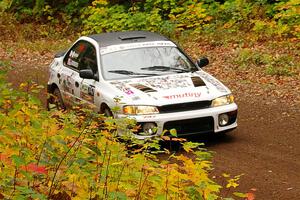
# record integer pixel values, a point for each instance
(128, 91)
(211, 80)
(169, 82)
(149, 116)
(183, 95)
(72, 63)
(135, 98)
(114, 48)
(122, 86)
(52, 74)
(152, 84)
(87, 93)
(73, 54)
(68, 84)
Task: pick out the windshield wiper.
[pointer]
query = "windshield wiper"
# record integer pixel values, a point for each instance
(126, 72)
(164, 69)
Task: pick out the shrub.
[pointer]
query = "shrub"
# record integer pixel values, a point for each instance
(45, 10)
(165, 16)
(247, 58)
(267, 18)
(62, 155)
(282, 65)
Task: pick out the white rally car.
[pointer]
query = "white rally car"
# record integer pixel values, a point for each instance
(156, 82)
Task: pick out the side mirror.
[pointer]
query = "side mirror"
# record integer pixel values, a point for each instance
(87, 74)
(201, 62)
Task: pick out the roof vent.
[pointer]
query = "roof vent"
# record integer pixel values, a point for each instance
(131, 37)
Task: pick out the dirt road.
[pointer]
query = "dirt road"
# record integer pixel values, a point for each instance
(265, 146)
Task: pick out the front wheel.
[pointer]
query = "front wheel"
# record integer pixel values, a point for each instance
(107, 112)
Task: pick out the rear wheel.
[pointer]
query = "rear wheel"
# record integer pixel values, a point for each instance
(57, 100)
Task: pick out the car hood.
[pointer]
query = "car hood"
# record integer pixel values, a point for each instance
(169, 89)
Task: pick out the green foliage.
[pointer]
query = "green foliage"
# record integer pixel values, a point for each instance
(282, 65)
(45, 10)
(247, 58)
(284, 20)
(74, 154)
(4, 5)
(267, 18)
(287, 16)
(165, 16)
(170, 16)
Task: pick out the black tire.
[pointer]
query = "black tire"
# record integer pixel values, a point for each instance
(107, 112)
(58, 100)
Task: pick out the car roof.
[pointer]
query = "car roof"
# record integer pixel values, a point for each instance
(115, 38)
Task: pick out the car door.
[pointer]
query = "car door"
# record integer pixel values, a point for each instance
(74, 61)
(89, 62)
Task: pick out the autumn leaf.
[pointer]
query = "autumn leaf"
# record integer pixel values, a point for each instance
(250, 196)
(226, 175)
(166, 138)
(232, 183)
(173, 132)
(239, 194)
(34, 168)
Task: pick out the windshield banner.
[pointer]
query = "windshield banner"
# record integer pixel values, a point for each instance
(120, 47)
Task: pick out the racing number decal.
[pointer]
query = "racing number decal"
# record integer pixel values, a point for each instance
(87, 93)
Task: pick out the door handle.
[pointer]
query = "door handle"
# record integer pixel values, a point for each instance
(76, 84)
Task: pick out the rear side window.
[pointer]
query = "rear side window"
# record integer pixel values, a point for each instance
(82, 56)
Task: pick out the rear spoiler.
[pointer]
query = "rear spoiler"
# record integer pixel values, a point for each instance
(60, 54)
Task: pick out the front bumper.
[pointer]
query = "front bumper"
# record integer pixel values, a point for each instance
(190, 122)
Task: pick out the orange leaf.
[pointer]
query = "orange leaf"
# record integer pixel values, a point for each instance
(5, 158)
(250, 196)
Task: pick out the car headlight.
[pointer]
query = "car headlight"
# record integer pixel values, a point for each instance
(224, 100)
(140, 110)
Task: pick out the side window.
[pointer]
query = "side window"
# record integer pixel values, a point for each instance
(74, 56)
(89, 59)
(82, 56)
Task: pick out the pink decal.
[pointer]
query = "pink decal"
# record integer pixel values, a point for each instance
(128, 91)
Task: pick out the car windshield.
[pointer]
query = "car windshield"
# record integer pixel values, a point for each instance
(143, 62)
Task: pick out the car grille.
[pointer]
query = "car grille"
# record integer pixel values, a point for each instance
(191, 126)
(184, 106)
